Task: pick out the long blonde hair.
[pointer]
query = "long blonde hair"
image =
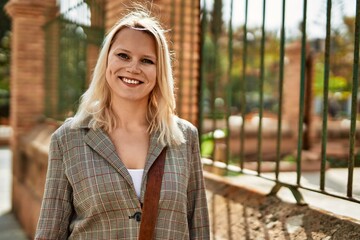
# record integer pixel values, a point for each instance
(95, 103)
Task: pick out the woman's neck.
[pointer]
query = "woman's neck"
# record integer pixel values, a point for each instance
(130, 115)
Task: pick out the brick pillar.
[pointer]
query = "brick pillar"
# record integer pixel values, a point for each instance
(27, 91)
(95, 37)
(182, 17)
(292, 86)
(27, 63)
(291, 107)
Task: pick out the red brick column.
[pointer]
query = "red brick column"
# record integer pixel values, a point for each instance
(292, 86)
(185, 36)
(93, 49)
(291, 93)
(27, 63)
(27, 93)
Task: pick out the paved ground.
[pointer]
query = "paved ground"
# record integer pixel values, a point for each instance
(9, 227)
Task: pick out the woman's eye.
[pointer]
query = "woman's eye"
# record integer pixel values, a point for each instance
(123, 55)
(147, 61)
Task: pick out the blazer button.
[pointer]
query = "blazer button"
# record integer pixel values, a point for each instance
(137, 216)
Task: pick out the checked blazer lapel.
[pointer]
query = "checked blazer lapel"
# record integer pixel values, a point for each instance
(154, 151)
(100, 142)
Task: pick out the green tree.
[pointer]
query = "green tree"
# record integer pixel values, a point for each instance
(4, 19)
(5, 35)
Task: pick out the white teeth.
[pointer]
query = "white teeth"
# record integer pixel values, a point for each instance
(130, 81)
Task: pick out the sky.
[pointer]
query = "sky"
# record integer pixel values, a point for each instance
(316, 14)
(80, 12)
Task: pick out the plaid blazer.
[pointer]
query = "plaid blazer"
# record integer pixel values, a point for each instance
(89, 193)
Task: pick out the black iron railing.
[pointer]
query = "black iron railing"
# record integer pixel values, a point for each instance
(245, 75)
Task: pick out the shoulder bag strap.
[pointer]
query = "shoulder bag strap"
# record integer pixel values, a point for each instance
(151, 199)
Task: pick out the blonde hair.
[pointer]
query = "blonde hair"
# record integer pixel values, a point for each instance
(95, 103)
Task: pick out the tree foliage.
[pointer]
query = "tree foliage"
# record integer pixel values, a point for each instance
(4, 47)
(5, 36)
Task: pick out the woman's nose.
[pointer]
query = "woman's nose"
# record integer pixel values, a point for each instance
(133, 67)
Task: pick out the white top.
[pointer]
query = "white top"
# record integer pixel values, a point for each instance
(136, 175)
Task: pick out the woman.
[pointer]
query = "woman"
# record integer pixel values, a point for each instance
(99, 160)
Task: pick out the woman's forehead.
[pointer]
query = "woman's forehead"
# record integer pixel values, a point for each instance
(132, 32)
(135, 39)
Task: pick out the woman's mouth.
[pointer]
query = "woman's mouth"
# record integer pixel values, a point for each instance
(130, 81)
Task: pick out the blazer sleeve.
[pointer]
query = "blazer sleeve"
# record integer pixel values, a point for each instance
(198, 217)
(56, 208)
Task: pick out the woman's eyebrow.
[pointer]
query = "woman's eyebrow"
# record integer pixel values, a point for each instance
(122, 49)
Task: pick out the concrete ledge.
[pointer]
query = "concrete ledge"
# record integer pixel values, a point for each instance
(5, 135)
(29, 176)
(237, 212)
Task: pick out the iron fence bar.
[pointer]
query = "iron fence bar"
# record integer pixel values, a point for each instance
(302, 94)
(65, 71)
(243, 95)
(261, 90)
(214, 87)
(201, 87)
(229, 87)
(216, 32)
(77, 59)
(326, 94)
(355, 88)
(216, 75)
(281, 81)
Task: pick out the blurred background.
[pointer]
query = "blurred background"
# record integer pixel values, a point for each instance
(272, 86)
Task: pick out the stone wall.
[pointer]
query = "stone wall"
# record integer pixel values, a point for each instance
(29, 175)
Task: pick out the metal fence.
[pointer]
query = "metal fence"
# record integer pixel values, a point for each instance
(279, 90)
(72, 41)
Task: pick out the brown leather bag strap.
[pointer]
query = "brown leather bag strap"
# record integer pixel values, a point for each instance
(151, 199)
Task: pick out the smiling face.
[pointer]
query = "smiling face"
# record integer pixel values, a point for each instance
(131, 66)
